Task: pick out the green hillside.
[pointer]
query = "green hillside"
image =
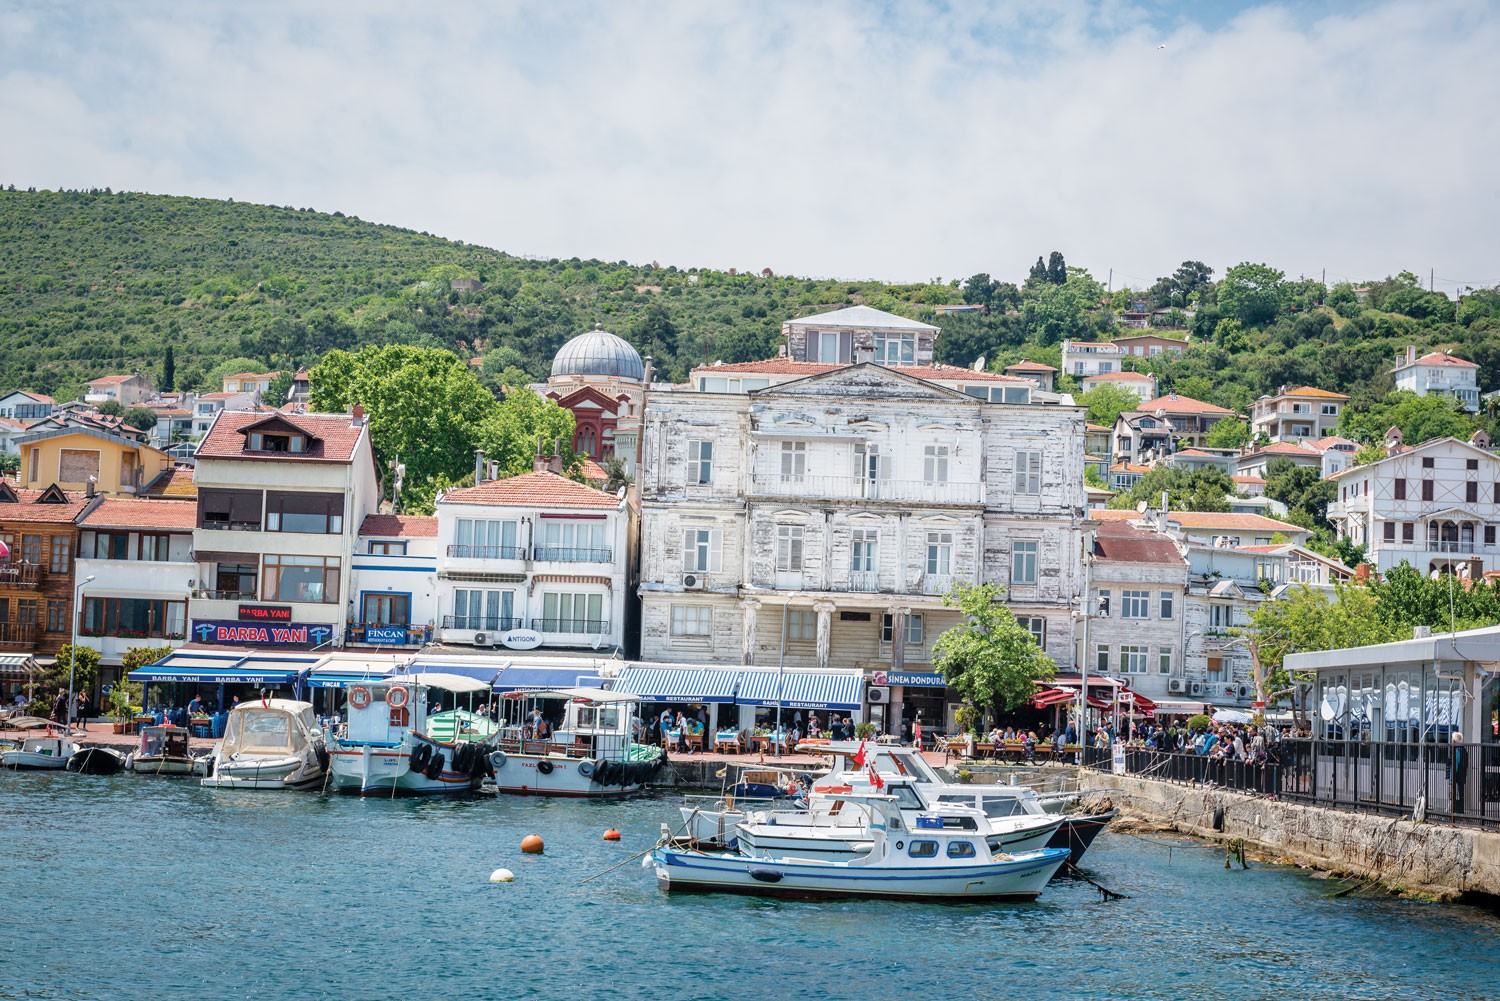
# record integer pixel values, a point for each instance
(94, 282)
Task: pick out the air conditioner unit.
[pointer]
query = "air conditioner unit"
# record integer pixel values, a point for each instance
(483, 639)
(1176, 686)
(876, 695)
(693, 582)
(1244, 691)
(1195, 688)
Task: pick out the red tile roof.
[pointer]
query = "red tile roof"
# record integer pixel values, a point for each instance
(1174, 404)
(108, 380)
(1442, 358)
(1329, 441)
(593, 471)
(1029, 366)
(132, 513)
(538, 489)
(1286, 448)
(1314, 391)
(787, 366)
(174, 482)
(400, 526)
(1118, 543)
(334, 437)
(1118, 377)
(26, 508)
(1252, 480)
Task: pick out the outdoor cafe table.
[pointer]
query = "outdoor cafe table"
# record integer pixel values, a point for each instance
(766, 742)
(727, 740)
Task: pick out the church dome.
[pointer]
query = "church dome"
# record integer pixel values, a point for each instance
(599, 352)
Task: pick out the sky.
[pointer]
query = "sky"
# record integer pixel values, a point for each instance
(902, 141)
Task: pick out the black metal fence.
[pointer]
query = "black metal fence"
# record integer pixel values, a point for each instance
(1391, 778)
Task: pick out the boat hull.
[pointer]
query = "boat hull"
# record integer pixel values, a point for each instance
(832, 843)
(554, 775)
(1078, 831)
(1019, 878)
(265, 773)
(97, 761)
(154, 765)
(368, 771)
(32, 761)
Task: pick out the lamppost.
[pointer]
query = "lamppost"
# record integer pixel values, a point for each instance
(73, 650)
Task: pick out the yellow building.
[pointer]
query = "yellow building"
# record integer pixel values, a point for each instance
(74, 457)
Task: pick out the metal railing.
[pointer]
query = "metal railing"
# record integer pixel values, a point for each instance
(211, 594)
(17, 634)
(867, 488)
(487, 552)
(16, 574)
(576, 627)
(486, 623)
(1197, 769)
(572, 554)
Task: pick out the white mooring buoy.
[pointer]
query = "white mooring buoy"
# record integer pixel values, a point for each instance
(502, 876)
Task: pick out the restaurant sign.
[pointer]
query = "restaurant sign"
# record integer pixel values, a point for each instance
(388, 635)
(260, 634)
(911, 679)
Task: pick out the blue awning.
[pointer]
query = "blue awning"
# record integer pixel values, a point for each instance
(486, 673)
(531, 679)
(679, 685)
(243, 672)
(802, 689)
(346, 674)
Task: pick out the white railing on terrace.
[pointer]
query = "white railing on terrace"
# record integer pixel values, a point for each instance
(861, 488)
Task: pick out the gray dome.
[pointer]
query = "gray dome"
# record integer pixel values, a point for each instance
(599, 352)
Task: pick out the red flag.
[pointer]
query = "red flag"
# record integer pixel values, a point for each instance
(876, 780)
(859, 759)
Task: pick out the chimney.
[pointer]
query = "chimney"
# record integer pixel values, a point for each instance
(1411, 354)
(358, 417)
(1362, 574)
(864, 354)
(478, 466)
(555, 464)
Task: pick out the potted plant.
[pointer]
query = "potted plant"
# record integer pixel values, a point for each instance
(864, 731)
(122, 710)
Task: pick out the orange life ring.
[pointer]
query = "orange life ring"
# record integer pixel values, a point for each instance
(359, 697)
(397, 696)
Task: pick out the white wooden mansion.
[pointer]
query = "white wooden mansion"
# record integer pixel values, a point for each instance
(813, 513)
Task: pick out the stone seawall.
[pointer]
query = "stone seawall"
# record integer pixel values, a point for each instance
(1429, 858)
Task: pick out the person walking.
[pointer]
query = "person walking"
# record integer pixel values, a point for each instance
(60, 707)
(1458, 771)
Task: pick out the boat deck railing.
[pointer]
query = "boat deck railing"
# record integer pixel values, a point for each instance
(514, 746)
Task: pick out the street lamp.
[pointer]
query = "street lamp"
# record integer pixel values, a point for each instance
(73, 650)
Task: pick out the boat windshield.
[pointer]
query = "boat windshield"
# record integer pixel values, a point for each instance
(906, 796)
(156, 741)
(258, 731)
(993, 806)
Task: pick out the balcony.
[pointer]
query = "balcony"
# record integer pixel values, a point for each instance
(572, 554)
(863, 488)
(571, 627)
(17, 634)
(934, 583)
(865, 581)
(21, 576)
(487, 552)
(483, 623)
(209, 594)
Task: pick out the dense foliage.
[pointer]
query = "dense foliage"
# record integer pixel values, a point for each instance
(990, 658)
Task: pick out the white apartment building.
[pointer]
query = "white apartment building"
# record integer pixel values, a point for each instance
(533, 560)
(281, 499)
(208, 406)
(814, 514)
(1435, 506)
(1138, 586)
(21, 405)
(1439, 374)
(139, 554)
(1292, 414)
(395, 590)
(127, 390)
(1139, 383)
(1081, 358)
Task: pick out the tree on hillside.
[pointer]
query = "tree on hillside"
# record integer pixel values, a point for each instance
(1420, 418)
(1305, 620)
(655, 334)
(521, 423)
(1408, 598)
(1231, 432)
(1204, 489)
(979, 290)
(1252, 293)
(1106, 402)
(1057, 268)
(140, 418)
(1051, 312)
(1180, 287)
(424, 405)
(168, 370)
(1301, 489)
(1038, 273)
(990, 658)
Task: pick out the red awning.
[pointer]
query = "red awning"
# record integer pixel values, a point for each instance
(1141, 703)
(1052, 696)
(1100, 703)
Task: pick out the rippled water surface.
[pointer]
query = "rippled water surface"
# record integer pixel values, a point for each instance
(130, 887)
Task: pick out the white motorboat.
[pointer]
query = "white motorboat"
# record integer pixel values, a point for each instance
(48, 752)
(164, 751)
(930, 862)
(590, 754)
(391, 746)
(270, 744)
(707, 819)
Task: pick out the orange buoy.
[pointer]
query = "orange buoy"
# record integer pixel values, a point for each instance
(531, 845)
(611, 835)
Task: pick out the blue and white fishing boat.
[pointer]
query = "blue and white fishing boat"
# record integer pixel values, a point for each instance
(932, 861)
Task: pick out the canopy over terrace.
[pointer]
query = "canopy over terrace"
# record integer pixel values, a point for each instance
(214, 668)
(752, 690)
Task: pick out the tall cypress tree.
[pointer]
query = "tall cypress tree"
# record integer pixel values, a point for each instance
(168, 371)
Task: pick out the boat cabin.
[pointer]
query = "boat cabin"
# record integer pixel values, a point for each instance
(596, 723)
(269, 728)
(164, 742)
(382, 710)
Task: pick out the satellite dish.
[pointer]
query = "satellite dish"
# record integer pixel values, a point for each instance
(1141, 507)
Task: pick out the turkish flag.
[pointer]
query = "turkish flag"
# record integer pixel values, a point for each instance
(876, 780)
(859, 759)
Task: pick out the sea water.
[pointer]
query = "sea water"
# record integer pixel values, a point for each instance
(129, 887)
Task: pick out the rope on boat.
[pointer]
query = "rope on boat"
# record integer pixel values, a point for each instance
(660, 842)
(1105, 891)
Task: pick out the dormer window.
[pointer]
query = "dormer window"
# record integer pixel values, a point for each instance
(264, 441)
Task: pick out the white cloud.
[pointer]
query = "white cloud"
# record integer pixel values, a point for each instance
(830, 140)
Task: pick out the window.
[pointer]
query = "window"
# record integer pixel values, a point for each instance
(1390, 531)
(1165, 598)
(155, 547)
(896, 349)
(1101, 659)
(801, 625)
(484, 539)
(1495, 494)
(923, 849)
(386, 610)
(563, 612)
(301, 578)
(1132, 660)
(1220, 616)
(312, 514)
(1408, 531)
(1103, 603)
(702, 550)
(1427, 490)
(573, 541)
(939, 553)
(1471, 464)
(793, 460)
(1400, 489)
(235, 580)
(62, 554)
(385, 547)
(692, 620)
(31, 549)
(475, 609)
(867, 464)
(237, 510)
(789, 548)
(864, 550)
(1427, 462)
(1164, 662)
(914, 628)
(700, 461)
(1135, 604)
(1471, 492)
(263, 441)
(1330, 410)
(134, 618)
(1216, 669)
(935, 464)
(1028, 471)
(78, 465)
(1023, 562)
(57, 617)
(830, 346)
(35, 465)
(1489, 535)
(112, 546)
(960, 849)
(26, 612)
(1036, 625)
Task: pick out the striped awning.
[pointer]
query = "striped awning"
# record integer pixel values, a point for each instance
(679, 684)
(802, 689)
(1053, 696)
(16, 665)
